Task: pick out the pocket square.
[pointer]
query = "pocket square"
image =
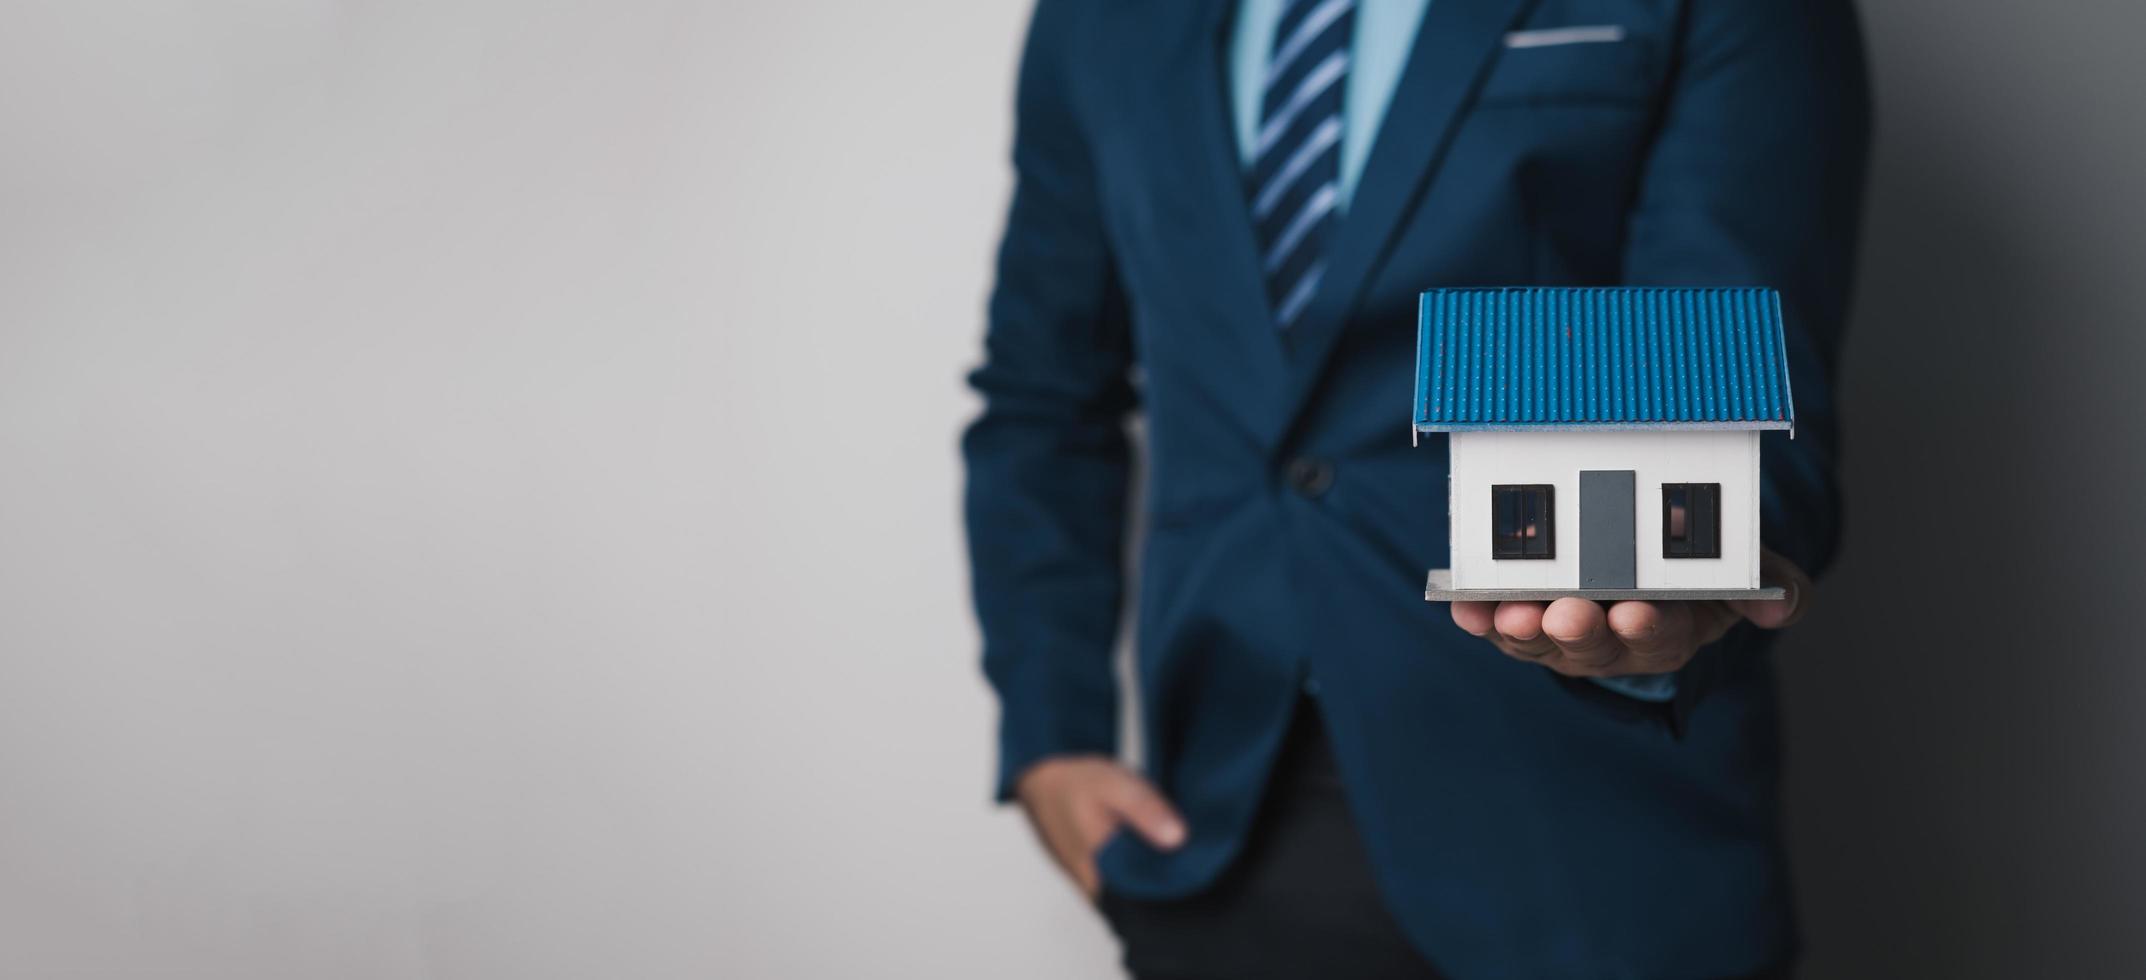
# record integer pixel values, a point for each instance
(1551, 36)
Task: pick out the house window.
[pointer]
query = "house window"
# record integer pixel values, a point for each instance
(1521, 521)
(1691, 520)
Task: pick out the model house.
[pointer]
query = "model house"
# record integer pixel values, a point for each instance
(1604, 442)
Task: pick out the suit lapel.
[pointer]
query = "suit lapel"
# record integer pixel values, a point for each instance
(1456, 43)
(1199, 110)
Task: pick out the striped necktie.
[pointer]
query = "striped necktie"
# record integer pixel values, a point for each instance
(1295, 180)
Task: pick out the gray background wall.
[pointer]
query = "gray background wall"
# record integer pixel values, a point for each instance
(477, 499)
(1963, 712)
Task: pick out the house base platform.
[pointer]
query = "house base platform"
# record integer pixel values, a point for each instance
(1439, 588)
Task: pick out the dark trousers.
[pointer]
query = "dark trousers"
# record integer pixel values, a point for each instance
(1298, 903)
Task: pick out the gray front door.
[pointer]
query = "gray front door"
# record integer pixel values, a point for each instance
(1609, 557)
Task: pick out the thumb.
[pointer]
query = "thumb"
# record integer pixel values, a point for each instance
(1152, 817)
(1775, 614)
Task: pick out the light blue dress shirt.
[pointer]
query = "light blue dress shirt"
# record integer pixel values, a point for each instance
(1385, 33)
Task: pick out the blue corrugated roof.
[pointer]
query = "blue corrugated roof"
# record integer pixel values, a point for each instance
(1526, 358)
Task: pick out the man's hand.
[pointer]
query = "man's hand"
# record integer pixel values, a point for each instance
(1075, 802)
(1579, 638)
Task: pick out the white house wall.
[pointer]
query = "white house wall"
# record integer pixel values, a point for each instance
(1483, 459)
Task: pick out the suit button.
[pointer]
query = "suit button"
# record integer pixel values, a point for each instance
(1309, 477)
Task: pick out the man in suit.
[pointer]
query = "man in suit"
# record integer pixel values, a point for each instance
(1224, 212)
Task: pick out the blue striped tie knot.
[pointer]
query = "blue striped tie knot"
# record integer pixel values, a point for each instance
(1294, 184)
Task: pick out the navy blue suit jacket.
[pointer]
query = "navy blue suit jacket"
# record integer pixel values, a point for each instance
(1521, 824)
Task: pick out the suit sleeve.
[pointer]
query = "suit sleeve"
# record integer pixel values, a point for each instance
(1048, 460)
(1755, 179)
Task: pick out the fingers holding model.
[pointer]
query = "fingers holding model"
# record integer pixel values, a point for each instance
(1583, 638)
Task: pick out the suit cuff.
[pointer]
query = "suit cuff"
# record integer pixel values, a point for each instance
(1041, 716)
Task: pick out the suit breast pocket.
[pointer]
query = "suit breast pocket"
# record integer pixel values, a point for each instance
(1574, 67)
